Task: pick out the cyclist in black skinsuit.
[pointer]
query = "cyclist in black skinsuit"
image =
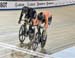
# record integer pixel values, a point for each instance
(30, 13)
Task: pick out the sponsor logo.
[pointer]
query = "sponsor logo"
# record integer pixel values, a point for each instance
(30, 4)
(3, 4)
(49, 3)
(19, 4)
(40, 3)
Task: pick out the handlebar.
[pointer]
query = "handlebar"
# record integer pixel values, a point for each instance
(27, 21)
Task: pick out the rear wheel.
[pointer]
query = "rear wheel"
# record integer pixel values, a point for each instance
(22, 34)
(43, 40)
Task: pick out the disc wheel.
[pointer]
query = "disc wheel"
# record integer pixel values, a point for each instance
(43, 40)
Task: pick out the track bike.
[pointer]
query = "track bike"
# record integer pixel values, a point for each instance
(23, 31)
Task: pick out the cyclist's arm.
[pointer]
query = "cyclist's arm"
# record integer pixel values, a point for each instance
(21, 15)
(47, 14)
(46, 22)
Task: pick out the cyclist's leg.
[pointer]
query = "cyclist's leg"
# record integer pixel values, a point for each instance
(26, 26)
(49, 20)
(44, 34)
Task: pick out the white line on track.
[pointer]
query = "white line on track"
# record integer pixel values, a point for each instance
(34, 53)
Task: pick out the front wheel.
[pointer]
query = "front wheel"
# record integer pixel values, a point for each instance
(22, 34)
(35, 42)
(34, 45)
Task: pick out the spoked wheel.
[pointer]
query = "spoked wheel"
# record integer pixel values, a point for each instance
(22, 34)
(43, 40)
(35, 43)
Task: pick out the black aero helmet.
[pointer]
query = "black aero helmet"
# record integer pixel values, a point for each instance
(25, 9)
(34, 13)
(40, 16)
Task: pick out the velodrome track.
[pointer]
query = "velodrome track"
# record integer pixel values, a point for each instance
(61, 32)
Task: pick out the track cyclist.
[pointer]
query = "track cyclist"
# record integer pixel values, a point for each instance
(43, 19)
